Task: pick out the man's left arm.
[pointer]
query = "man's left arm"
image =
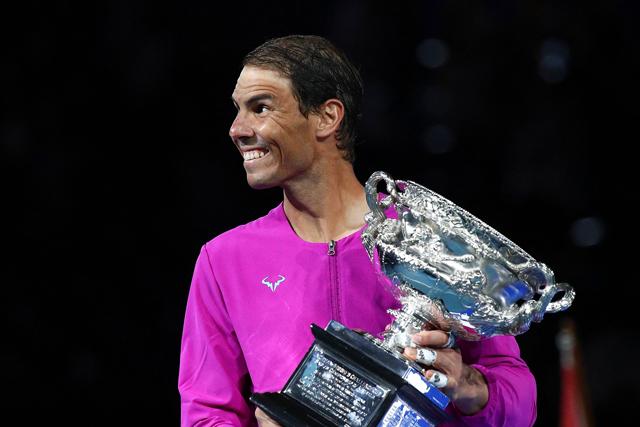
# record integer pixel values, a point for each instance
(487, 381)
(510, 384)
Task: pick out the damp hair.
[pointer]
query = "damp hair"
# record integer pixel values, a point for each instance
(318, 71)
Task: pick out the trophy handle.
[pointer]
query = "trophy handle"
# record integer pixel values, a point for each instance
(564, 302)
(371, 189)
(535, 310)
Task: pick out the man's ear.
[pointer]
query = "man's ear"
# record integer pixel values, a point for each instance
(330, 115)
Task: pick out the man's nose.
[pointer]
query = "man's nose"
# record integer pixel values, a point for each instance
(240, 128)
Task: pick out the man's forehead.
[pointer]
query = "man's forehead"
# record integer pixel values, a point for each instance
(255, 79)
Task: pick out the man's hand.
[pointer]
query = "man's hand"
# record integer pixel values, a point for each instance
(466, 387)
(264, 420)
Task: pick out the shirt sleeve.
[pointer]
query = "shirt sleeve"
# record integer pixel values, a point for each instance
(512, 387)
(213, 380)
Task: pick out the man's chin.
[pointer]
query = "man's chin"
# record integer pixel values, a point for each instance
(260, 185)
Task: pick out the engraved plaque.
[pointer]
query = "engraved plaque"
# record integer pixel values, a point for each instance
(337, 390)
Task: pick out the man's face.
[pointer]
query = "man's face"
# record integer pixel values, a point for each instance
(276, 141)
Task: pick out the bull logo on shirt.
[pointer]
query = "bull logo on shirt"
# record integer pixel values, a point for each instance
(273, 285)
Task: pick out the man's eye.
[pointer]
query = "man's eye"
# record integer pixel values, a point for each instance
(262, 108)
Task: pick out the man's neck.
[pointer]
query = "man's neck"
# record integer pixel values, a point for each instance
(326, 206)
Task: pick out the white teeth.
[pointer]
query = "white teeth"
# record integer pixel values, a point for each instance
(253, 154)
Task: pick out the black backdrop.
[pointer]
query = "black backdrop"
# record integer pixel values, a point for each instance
(116, 167)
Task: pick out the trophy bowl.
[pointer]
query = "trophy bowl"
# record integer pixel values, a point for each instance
(452, 271)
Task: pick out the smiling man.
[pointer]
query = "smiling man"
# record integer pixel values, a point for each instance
(258, 287)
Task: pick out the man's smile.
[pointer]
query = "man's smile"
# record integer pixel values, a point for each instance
(255, 155)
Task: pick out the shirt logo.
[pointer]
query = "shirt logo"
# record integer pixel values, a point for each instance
(272, 285)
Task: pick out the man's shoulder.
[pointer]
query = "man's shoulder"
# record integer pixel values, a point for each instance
(249, 234)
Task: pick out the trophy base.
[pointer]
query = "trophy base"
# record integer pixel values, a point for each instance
(347, 380)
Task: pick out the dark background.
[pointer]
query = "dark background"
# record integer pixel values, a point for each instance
(116, 167)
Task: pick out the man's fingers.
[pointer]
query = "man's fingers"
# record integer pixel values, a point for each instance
(431, 338)
(444, 359)
(426, 356)
(437, 378)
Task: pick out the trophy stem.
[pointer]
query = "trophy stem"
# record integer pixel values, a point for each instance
(408, 321)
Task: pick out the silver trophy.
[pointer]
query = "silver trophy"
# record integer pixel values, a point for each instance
(452, 271)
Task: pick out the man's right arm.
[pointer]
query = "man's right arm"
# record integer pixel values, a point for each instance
(213, 379)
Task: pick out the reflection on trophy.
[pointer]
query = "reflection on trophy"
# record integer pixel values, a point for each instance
(450, 271)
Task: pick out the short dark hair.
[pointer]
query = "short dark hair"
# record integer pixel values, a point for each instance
(318, 71)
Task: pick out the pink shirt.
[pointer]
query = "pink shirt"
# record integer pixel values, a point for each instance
(255, 291)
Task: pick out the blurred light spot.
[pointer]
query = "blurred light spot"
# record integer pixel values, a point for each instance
(432, 53)
(436, 100)
(587, 232)
(553, 64)
(438, 139)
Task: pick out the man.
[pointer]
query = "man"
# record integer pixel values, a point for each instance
(257, 288)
